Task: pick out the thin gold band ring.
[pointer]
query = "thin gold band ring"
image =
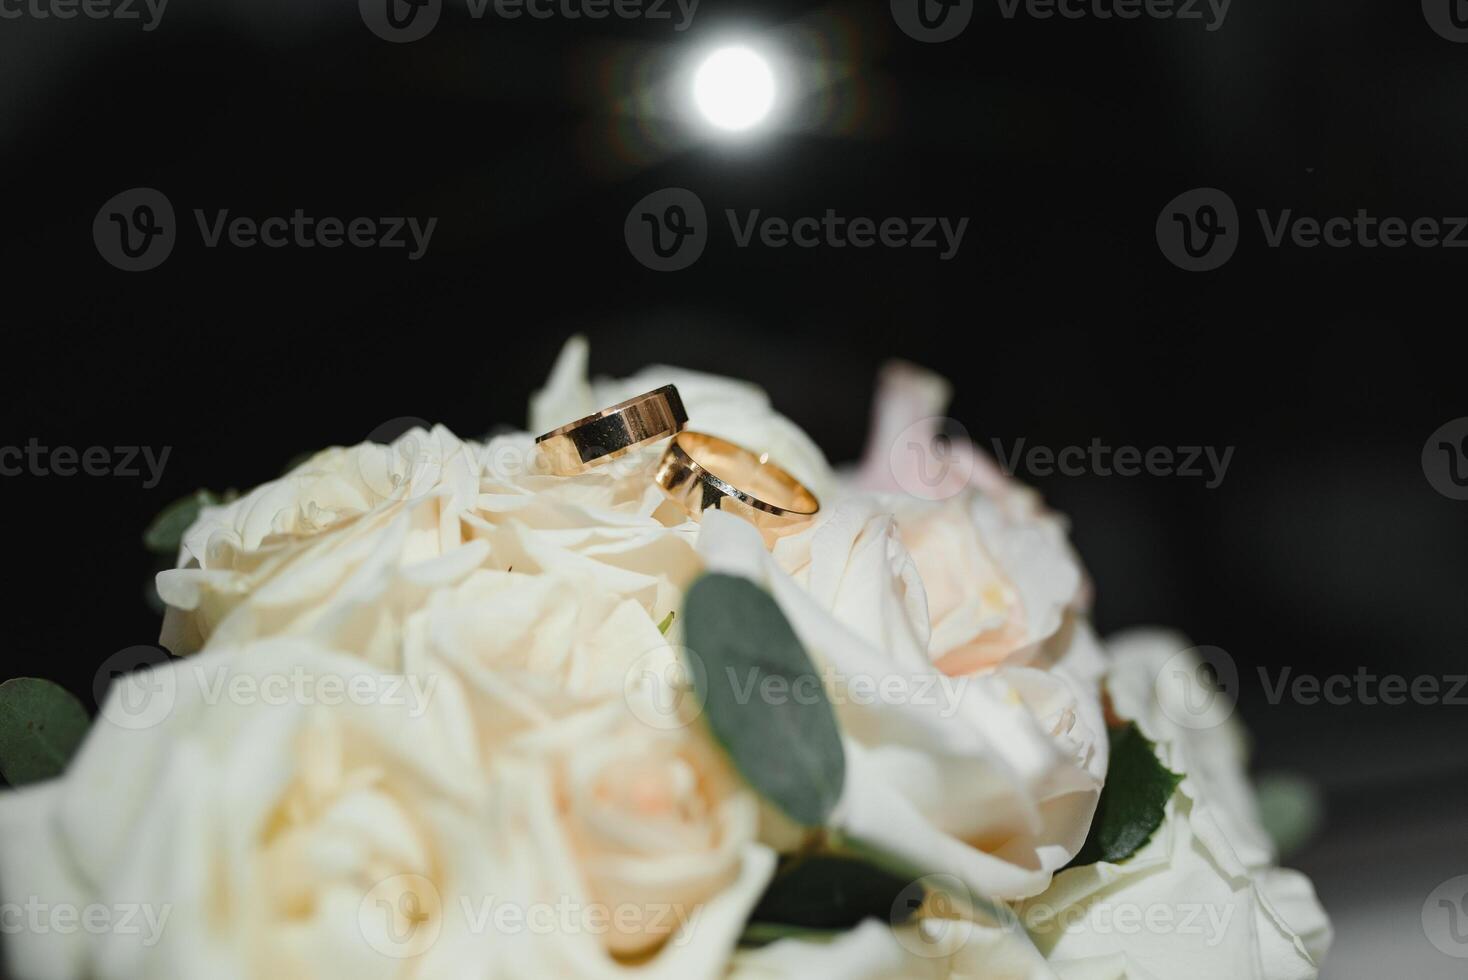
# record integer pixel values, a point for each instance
(700, 471)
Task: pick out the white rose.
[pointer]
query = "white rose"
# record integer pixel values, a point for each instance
(345, 559)
(610, 527)
(989, 590)
(1172, 909)
(583, 572)
(1202, 898)
(320, 822)
(875, 951)
(605, 802)
(997, 586)
(251, 829)
(1004, 594)
(1149, 664)
(990, 759)
(333, 547)
(612, 817)
(642, 838)
(991, 776)
(532, 648)
(544, 626)
(344, 547)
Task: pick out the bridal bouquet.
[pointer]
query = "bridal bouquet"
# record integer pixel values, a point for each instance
(662, 695)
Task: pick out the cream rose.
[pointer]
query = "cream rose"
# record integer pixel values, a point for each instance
(532, 648)
(605, 803)
(610, 528)
(992, 776)
(296, 814)
(346, 559)
(997, 586)
(260, 818)
(582, 573)
(1202, 898)
(641, 837)
(335, 546)
(989, 756)
(348, 544)
(548, 624)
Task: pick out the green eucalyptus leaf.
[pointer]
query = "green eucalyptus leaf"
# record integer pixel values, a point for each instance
(41, 725)
(1291, 808)
(763, 698)
(1132, 803)
(834, 892)
(757, 934)
(165, 533)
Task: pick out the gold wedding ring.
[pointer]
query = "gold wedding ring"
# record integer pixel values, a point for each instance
(614, 431)
(701, 471)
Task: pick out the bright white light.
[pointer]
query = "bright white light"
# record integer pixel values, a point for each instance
(734, 88)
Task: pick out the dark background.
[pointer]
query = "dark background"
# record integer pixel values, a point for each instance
(1059, 321)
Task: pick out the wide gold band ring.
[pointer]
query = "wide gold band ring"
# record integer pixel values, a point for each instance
(614, 431)
(700, 471)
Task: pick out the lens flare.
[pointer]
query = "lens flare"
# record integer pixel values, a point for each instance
(734, 88)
